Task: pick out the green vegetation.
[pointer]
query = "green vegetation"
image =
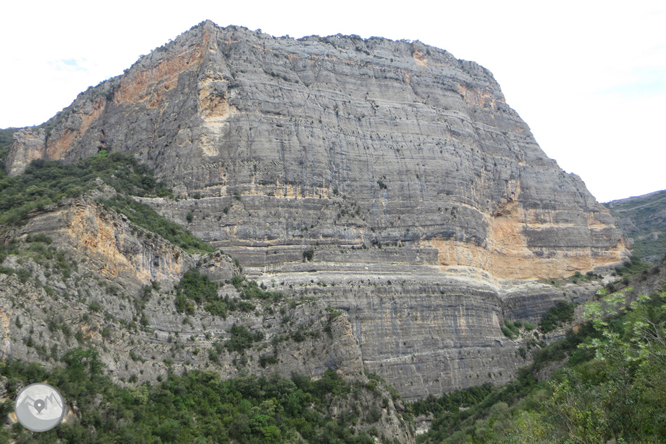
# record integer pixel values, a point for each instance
(6, 142)
(195, 289)
(576, 278)
(38, 248)
(145, 217)
(45, 183)
(632, 267)
(612, 389)
(451, 402)
(196, 407)
(512, 329)
(647, 221)
(562, 312)
(250, 290)
(242, 338)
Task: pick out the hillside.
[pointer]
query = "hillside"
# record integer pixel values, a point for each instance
(643, 220)
(603, 382)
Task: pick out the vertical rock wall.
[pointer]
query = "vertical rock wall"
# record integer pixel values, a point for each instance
(348, 157)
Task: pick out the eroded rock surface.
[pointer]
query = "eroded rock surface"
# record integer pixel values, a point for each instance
(353, 162)
(421, 145)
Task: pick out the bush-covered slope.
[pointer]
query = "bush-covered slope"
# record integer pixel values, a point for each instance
(643, 219)
(611, 386)
(45, 183)
(196, 407)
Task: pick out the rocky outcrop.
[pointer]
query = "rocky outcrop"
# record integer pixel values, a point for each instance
(110, 245)
(391, 172)
(29, 144)
(100, 273)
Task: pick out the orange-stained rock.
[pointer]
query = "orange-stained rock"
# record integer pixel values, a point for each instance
(390, 168)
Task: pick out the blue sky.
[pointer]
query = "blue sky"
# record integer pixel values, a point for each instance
(588, 77)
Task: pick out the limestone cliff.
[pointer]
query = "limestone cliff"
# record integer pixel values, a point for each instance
(389, 172)
(422, 147)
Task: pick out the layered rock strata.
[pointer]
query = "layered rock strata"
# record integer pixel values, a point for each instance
(338, 157)
(420, 144)
(118, 273)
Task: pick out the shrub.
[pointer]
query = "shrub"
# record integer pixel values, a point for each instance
(197, 287)
(560, 313)
(512, 327)
(266, 360)
(41, 237)
(508, 333)
(23, 274)
(217, 308)
(242, 338)
(373, 415)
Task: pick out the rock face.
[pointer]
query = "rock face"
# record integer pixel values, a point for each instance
(422, 147)
(389, 169)
(29, 145)
(111, 266)
(82, 275)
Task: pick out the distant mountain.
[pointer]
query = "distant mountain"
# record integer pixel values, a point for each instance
(643, 220)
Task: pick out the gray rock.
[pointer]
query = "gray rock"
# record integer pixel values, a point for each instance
(340, 141)
(352, 162)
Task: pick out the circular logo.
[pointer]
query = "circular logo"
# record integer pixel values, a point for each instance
(39, 407)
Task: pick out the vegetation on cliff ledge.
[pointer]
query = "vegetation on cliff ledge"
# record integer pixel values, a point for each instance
(46, 182)
(196, 289)
(142, 215)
